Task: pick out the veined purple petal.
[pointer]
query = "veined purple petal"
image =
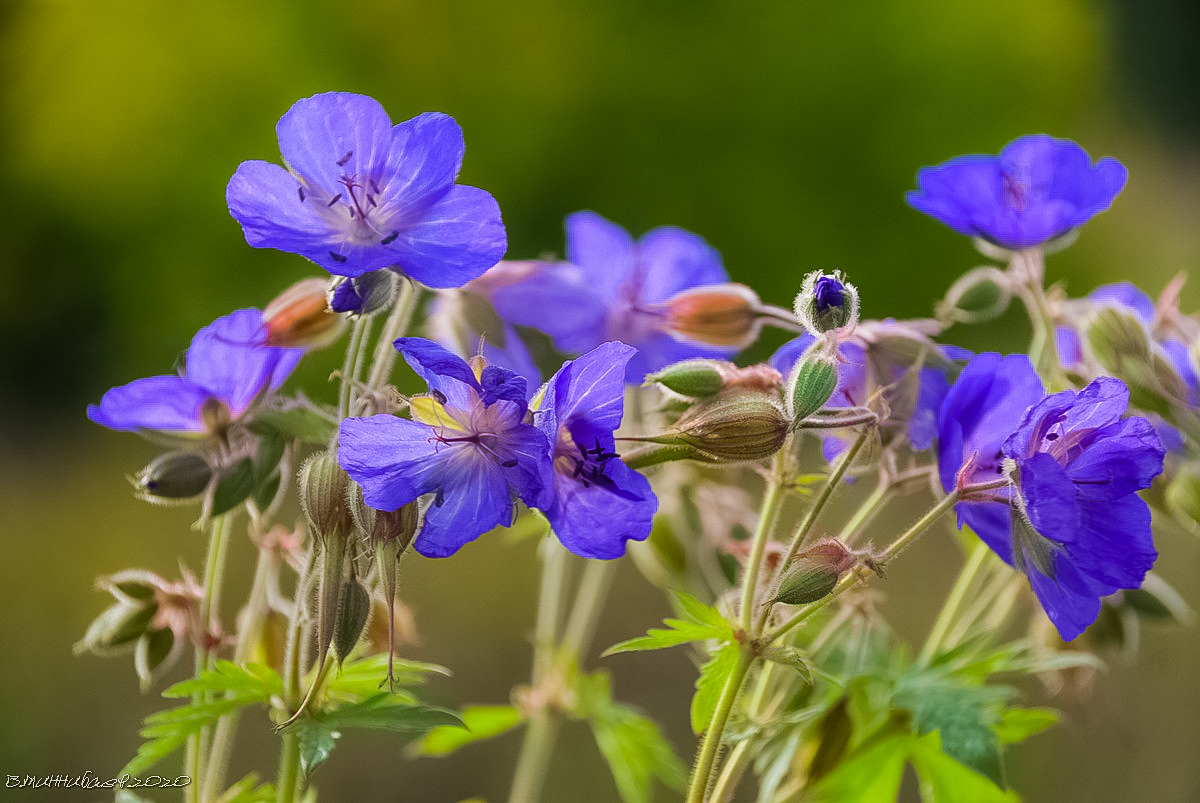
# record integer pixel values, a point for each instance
(425, 156)
(228, 358)
(265, 199)
(1071, 611)
(458, 237)
(1049, 496)
(162, 403)
(590, 388)
(1124, 458)
(433, 363)
(1127, 295)
(335, 134)
(594, 521)
(474, 498)
(394, 460)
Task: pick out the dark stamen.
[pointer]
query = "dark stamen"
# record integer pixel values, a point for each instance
(342, 162)
(301, 189)
(374, 187)
(338, 258)
(509, 463)
(335, 199)
(391, 238)
(439, 498)
(438, 396)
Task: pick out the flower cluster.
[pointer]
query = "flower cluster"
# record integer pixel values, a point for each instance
(468, 444)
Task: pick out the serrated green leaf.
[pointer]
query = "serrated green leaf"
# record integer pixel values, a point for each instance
(361, 678)
(479, 722)
(1018, 724)
(316, 743)
(636, 753)
(945, 780)
(713, 674)
(700, 623)
(871, 775)
(232, 686)
(962, 714)
(381, 712)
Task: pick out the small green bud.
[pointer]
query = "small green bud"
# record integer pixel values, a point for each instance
(814, 573)
(695, 379)
(733, 427)
(384, 526)
(174, 475)
(1123, 347)
(324, 489)
(813, 381)
(826, 302)
(354, 608)
(980, 295)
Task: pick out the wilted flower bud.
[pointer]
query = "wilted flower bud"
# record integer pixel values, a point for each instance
(826, 302)
(715, 315)
(981, 294)
(733, 427)
(300, 316)
(814, 573)
(1123, 347)
(812, 382)
(366, 294)
(174, 475)
(324, 488)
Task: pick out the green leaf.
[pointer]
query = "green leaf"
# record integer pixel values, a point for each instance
(713, 674)
(1018, 724)
(302, 423)
(871, 775)
(631, 744)
(316, 742)
(233, 686)
(945, 780)
(700, 623)
(234, 487)
(479, 722)
(247, 791)
(361, 678)
(381, 712)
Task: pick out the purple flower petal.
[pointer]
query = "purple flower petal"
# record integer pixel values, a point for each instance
(457, 239)
(671, 260)
(162, 403)
(228, 358)
(335, 134)
(604, 251)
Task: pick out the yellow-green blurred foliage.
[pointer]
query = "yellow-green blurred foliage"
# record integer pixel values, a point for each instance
(783, 131)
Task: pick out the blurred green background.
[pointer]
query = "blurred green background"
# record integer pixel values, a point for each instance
(783, 132)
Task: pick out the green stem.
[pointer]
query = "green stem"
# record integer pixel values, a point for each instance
(966, 578)
(866, 511)
(397, 324)
(739, 757)
(711, 743)
(289, 768)
(758, 545)
(857, 576)
(353, 351)
(537, 744)
(589, 604)
(831, 484)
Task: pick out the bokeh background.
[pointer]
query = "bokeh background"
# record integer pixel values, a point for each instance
(784, 132)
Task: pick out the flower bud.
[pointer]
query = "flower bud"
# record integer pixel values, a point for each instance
(384, 526)
(814, 573)
(354, 607)
(324, 489)
(300, 316)
(813, 381)
(1122, 346)
(174, 475)
(715, 315)
(980, 295)
(733, 427)
(366, 294)
(826, 302)
(694, 379)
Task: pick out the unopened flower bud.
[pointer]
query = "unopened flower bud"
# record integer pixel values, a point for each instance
(715, 315)
(734, 427)
(814, 573)
(324, 490)
(694, 379)
(981, 294)
(366, 294)
(385, 526)
(826, 302)
(813, 381)
(174, 475)
(300, 316)
(1122, 346)
(354, 607)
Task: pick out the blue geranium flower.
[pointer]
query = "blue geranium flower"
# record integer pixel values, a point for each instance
(1070, 518)
(599, 503)
(360, 194)
(468, 445)
(227, 367)
(614, 289)
(1037, 189)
